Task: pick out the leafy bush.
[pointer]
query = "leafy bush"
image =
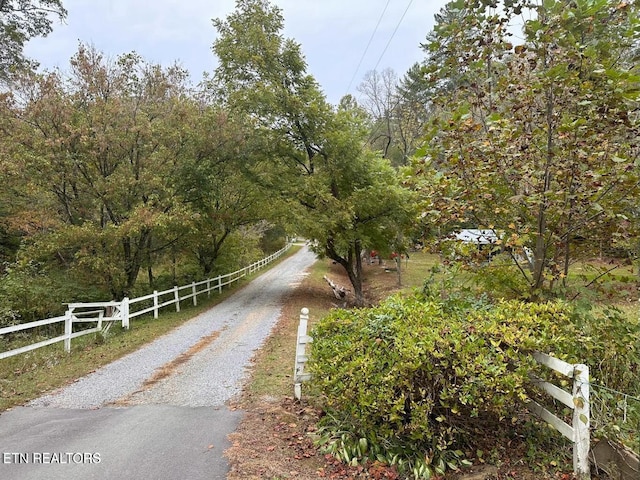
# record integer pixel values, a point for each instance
(502, 278)
(240, 249)
(29, 293)
(411, 377)
(413, 381)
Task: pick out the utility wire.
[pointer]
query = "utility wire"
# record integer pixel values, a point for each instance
(368, 45)
(393, 34)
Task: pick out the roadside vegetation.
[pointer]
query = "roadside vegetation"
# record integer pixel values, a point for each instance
(417, 381)
(394, 380)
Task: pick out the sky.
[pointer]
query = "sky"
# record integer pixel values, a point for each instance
(334, 34)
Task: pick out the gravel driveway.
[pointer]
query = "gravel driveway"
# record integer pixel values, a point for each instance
(158, 412)
(201, 363)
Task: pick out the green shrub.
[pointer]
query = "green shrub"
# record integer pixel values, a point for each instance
(29, 293)
(414, 382)
(412, 378)
(502, 278)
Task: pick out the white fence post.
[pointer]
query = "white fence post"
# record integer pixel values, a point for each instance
(176, 295)
(578, 400)
(68, 328)
(219, 283)
(301, 358)
(581, 421)
(193, 291)
(208, 287)
(124, 311)
(155, 304)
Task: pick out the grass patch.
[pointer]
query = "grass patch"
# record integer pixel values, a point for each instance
(32, 374)
(274, 363)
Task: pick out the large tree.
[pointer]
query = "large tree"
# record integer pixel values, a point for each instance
(97, 151)
(312, 157)
(211, 183)
(537, 140)
(21, 20)
(355, 201)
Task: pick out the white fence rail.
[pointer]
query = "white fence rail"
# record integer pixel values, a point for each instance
(104, 314)
(578, 400)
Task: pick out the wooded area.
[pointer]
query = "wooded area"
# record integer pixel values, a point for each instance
(119, 171)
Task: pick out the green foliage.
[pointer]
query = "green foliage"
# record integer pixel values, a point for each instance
(312, 157)
(537, 139)
(241, 249)
(273, 240)
(501, 278)
(94, 153)
(117, 167)
(21, 20)
(417, 375)
(30, 292)
(412, 381)
(9, 244)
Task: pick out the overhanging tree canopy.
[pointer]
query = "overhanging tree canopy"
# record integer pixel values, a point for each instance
(21, 20)
(313, 156)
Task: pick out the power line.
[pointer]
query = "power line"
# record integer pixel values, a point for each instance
(368, 45)
(393, 34)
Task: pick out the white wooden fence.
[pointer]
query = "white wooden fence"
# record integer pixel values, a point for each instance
(104, 314)
(578, 400)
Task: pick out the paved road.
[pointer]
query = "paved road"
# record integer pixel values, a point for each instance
(158, 413)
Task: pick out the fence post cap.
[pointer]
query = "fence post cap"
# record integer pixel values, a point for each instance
(304, 311)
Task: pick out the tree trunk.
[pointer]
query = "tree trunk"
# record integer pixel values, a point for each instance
(352, 265)
(357, 251)
(540, 252)
(133, 254)
(174, 273)
(149, 263)
(207, 257)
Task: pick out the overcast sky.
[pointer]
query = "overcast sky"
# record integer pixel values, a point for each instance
(333, 34)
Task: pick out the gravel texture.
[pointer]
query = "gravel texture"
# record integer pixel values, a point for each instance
(201, 363)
